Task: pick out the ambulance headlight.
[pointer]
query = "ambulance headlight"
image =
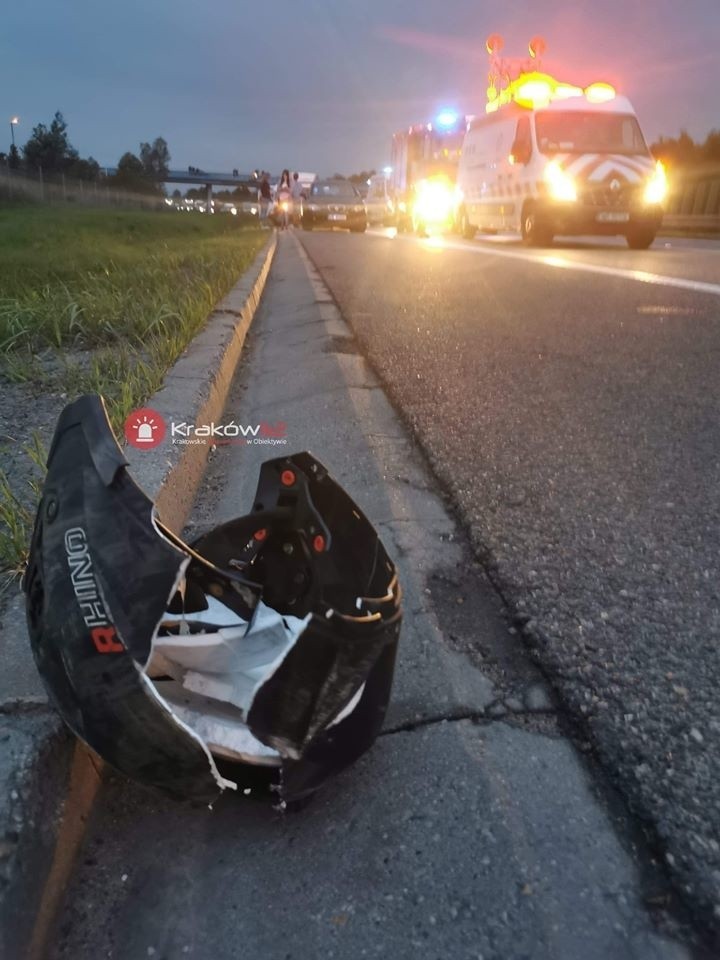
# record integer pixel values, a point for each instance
(656, 187)
(561, 185)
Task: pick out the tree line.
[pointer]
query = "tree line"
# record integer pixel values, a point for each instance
(683, 151)
(48, 151)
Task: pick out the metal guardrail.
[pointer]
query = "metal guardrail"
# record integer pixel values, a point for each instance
(705, 223)
(694, 201)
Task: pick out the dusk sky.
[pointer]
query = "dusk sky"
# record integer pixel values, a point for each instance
(321, 86)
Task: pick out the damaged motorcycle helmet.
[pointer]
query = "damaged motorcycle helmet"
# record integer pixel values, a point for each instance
(270, 640)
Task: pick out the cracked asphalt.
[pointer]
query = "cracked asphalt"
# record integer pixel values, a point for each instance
(475, 828)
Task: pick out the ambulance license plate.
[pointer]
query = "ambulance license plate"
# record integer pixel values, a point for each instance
(337, 216)
(612, 216)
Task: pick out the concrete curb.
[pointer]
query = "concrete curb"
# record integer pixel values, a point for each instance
(195, 391)
(47, 788)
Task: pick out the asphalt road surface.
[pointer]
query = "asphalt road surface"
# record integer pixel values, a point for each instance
(475, 829)
(569, 400)
(571, 417)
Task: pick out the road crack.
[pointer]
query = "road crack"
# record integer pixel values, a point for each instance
(482, 717)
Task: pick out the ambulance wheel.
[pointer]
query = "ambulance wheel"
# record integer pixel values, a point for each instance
(466, 229)
(535, 233)
(640, 239)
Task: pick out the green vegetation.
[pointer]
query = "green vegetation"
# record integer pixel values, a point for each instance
(49, 151)
(103, 301)
(87, 278)
(17, 511)
(683, 151)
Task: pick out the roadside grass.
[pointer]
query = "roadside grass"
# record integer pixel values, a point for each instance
(98, 301)
(17, 512)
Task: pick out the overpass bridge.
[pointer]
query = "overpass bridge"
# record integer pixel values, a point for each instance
(193, 176)
(210, 179)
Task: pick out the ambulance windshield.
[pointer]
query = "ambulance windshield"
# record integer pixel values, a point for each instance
(587, 132)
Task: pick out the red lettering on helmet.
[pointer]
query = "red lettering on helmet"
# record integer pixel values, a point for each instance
(105, 640)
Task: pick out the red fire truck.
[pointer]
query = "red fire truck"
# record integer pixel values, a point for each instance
(424, 168)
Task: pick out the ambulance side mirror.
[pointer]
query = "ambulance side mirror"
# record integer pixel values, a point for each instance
(520, 153)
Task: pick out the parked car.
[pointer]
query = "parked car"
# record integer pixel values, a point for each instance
(334, 203)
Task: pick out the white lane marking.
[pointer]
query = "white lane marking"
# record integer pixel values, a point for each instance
(563, 263)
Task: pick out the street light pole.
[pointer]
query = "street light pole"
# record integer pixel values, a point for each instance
(14, 121)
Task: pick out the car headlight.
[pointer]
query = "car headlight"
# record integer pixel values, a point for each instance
(561, 185)
(656, 187)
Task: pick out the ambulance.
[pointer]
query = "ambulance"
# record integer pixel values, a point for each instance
(551, 158)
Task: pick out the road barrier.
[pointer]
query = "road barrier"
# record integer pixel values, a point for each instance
(701, 224)
(694, 200)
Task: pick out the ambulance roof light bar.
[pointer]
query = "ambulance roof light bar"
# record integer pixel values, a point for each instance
(521, 81)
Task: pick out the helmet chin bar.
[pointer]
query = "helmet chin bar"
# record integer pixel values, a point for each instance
(270, 640)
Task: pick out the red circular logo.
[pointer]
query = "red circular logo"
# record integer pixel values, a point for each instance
(144, 428)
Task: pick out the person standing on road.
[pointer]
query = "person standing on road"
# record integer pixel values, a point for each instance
(264, 197)
(298, 194)
(283, 197)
